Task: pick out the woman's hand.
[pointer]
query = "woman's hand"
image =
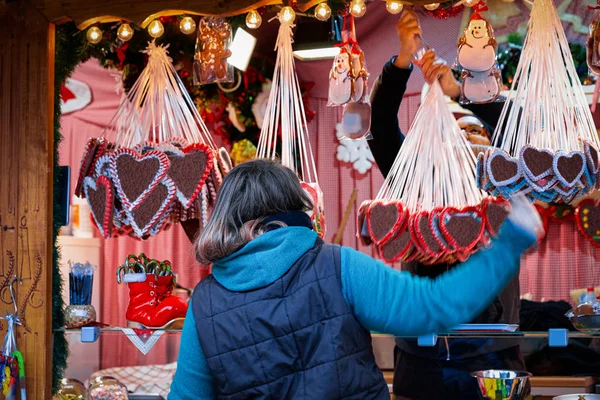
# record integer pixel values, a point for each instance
(409, 31)
(435, 68)
(478, 140)
(524, 216)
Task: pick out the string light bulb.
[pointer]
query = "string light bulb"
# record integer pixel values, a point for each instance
(125, 32)
(358, 8)
(94, 35)
(470, 3)
(287, 14)
(187, 25)
(253, 19)
(432, 6)
(394, 7)
(322, 12)
(156, 29)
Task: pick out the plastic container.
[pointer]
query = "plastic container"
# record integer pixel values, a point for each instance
(107, 388)
(588, 297)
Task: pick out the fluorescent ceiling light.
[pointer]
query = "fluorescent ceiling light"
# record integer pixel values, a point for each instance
(241, 49)
(317, 54)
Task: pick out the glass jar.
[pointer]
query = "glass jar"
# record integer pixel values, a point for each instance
(71, 389)
(107, 388)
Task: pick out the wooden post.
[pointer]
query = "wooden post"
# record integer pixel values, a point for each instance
(26, 162)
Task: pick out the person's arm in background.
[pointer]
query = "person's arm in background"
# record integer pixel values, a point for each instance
(387, 95)
(193, 380)
(387, 301)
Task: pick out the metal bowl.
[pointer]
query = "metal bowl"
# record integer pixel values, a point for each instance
(583, 396)
(497, 384)
(586, 323)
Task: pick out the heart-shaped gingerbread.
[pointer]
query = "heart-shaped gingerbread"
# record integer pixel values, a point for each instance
(424, 238)
(495, 212)
(569, 167)
(100, 196)
(152, 208)
(384, 219)
(398, 248)
(587, 217)
(502, 169)
(591, 154)
(94, 148)
(434, 222)
(135, 176)
(462, 228)
(189, 172)
(537, 164)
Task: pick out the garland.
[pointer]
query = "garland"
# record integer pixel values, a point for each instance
(446, 10)
(66, 59)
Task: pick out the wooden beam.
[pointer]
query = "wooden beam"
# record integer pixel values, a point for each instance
(26, 149)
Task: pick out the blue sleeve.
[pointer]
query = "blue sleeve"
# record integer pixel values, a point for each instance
(388, 301)
(193, 380)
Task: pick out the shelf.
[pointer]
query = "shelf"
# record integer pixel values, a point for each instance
(557, 337)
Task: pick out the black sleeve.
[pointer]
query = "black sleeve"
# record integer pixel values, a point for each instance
(385, 102)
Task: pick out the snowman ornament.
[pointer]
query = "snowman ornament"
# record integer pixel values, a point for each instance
(481, 79)
(340, 79)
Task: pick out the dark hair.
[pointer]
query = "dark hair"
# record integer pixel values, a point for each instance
(251, 192)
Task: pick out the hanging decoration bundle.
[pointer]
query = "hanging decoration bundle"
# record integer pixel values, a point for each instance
(429, 208)
(285, 127)
(163, 166)
(546, 134)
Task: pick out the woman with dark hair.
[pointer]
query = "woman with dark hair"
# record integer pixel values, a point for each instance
(285, 316)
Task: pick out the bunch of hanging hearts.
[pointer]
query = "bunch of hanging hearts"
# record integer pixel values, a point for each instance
(141, 191)
(539, 174)
(440, 235)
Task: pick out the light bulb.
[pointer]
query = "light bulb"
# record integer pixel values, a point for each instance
(187, 25)
(287, 14)
(94, 35)
(322, 12)
(432, 6)
(358, 8)
(156, 29)
(125, 32)
(253, 19)
(470, 3)
(394, 7)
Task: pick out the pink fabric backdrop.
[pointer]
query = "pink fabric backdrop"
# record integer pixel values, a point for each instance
(564, 260)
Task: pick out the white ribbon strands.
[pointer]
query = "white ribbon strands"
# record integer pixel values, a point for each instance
(158, 108)
(549, 108)
(285, 114)
(435, 166)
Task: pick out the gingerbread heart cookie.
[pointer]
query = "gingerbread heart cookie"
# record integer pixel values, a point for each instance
(189, 171)
(587, 217)
(135, 176)
(463, 228)
(152, 208)
(100, 196)
(384, 219)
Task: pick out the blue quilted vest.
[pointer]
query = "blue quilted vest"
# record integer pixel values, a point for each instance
(293, 339)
